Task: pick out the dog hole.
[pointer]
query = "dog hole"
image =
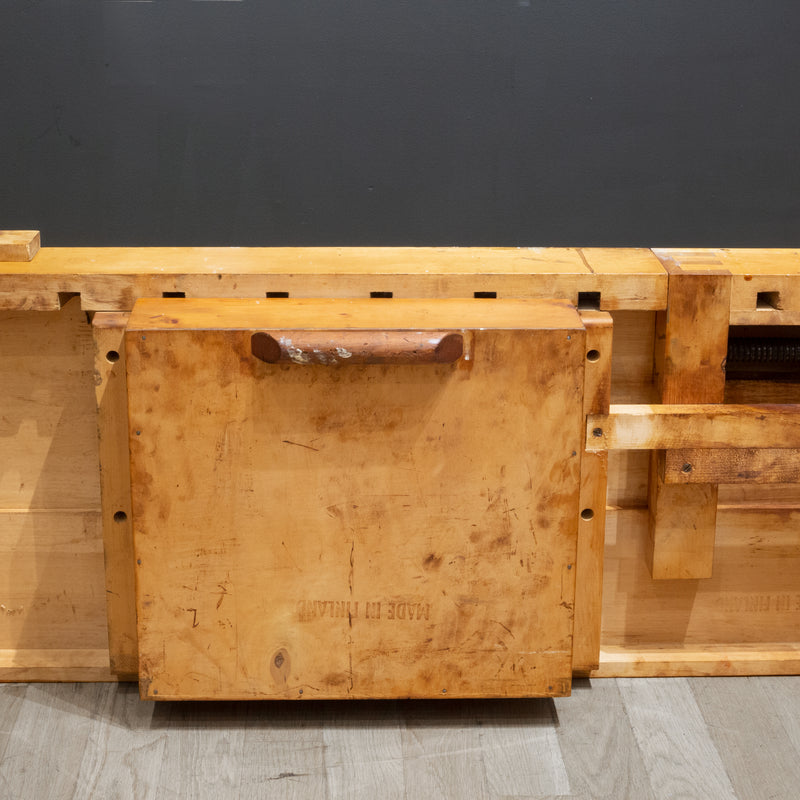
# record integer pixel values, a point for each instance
(768, 300)
(112, 356)
(381, 294)
(589, 300)
(485, 295)
(277, 294)
(173, 294)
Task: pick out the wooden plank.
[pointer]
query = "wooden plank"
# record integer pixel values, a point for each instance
(689, 367)
(594, 472)
(395, 496)
(675, 661)
(115, 485)
(203, 752)
(19, 245)
(68, 721)
(48, 446)
(651, 427)
(328, 314)
(443, 750)
(598, 745)
(756, 752)
(51, 580)
(364, 754)
(748, 465)
(113, 278)
(284, 747)
(521, 752)
(678, 753)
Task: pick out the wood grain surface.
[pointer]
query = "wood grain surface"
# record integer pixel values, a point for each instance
(386, 531)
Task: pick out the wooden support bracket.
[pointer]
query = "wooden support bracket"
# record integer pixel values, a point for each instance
(115, 486)
(691, 348)
(594, 479)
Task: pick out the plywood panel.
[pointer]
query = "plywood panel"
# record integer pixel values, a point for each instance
(388, 531)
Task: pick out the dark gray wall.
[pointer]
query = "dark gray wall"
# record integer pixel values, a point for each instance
(510, 122)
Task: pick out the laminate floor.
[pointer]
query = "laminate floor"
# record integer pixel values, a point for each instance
(634, 738)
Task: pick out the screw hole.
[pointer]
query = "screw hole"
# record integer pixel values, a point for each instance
(593, 355)
(112, 356)
(120, 516)
(686, 468)
(597, 433)
(587, 514)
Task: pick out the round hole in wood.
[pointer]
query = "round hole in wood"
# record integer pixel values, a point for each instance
(120, 516)
(112, 356)
(593, 355)
(587, 514)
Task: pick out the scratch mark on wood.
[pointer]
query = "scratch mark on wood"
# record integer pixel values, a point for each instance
(506, 628)
(298, 444)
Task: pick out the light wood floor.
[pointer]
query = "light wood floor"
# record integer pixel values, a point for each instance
(663, 738)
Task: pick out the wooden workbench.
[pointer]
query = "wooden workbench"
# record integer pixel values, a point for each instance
(67, 580)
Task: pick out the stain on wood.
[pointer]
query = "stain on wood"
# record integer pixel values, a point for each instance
(386, 530)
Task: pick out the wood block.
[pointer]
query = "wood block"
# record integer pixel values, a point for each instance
(115, 486)
(19, 245)
(691, 348)
(355, 531)
(594, 473)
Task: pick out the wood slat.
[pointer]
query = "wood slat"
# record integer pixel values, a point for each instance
(594, 472)
(115, 484)
(748, 465)
(653, 427)
(113, 278)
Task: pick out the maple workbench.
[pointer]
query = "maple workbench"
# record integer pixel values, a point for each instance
(688, 537)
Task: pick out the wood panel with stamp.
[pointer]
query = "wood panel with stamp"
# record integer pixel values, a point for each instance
(334, 530)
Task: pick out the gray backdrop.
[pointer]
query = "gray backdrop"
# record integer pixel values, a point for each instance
(508, 122)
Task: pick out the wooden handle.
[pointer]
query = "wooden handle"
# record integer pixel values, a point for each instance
(357, 347)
